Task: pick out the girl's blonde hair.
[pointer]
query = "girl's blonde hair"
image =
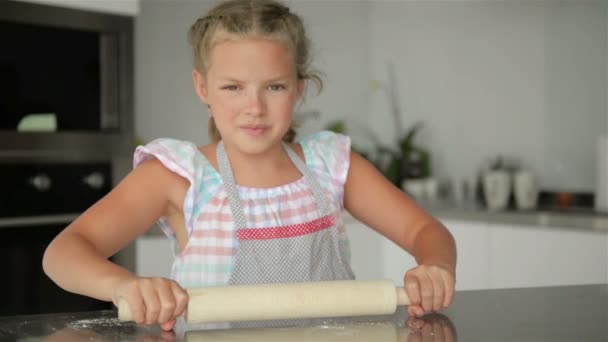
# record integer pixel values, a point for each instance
(246, 18)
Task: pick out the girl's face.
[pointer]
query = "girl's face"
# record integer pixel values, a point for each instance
(251, 88)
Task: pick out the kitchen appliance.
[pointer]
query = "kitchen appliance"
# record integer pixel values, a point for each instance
(66, 78)
(37, 201)
(66, 133)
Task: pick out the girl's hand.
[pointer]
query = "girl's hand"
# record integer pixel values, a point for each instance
(152, 300)
(430, 288)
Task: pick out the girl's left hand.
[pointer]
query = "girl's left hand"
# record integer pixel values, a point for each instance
(430, 288)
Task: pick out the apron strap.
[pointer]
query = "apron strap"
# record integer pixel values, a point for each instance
(230, 186)
(311, 179)
(233, 196)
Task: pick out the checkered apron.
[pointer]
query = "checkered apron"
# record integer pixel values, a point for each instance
(309, 251)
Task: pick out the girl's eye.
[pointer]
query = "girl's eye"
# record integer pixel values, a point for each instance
(276, 87)
(230, 87)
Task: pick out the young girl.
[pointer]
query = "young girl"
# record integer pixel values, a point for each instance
(253, 206)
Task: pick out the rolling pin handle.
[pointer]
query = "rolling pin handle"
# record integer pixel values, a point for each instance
(402, 298)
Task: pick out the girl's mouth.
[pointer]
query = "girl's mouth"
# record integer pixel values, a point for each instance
(254, 130)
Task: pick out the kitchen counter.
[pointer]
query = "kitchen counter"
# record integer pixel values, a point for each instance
(573, 313)
(577, 221)
(580, 221)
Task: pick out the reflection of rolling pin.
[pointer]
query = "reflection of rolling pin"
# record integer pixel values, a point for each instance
(287, 301)
(352, 332)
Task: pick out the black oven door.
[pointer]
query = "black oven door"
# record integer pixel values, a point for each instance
(36, 203)
(25, 288)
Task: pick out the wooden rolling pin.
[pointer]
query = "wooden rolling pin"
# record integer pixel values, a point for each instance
(288, 301)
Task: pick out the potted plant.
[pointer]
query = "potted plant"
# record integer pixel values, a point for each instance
(408, 161)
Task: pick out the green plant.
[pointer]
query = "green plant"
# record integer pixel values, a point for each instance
(337, 126)
(406, 160)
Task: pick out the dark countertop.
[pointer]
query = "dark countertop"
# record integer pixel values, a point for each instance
(570, 313)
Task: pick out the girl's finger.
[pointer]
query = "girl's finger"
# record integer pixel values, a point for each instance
(426, 291)
(415, 310)
(449, 288)
(137, 307)
(167, 301)
(168, 325)
(438, 290)
(412, 287)
(181, 299)
(151, 302)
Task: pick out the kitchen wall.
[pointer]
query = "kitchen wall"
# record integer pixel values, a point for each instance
(575, 92)
(165, 102)
(123, 7)
(525, 79)
(486, 77)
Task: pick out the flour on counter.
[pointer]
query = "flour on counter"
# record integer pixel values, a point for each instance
(96, 323)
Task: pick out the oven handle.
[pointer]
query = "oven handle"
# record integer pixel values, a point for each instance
(38, 220)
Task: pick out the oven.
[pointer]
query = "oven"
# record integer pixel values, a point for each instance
(66, 137)
(37, 201)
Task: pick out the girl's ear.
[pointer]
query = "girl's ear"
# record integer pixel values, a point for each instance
(200, 85)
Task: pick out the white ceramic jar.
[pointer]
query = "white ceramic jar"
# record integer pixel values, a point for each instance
(496, 189)
(525, 187)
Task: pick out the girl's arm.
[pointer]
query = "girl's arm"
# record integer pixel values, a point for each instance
(376, 202)
(77, 259)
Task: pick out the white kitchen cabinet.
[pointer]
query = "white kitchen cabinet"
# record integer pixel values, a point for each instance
(153, 256)
(367, 251)
(472, 247)
(376, 257)
(530, 256)
(493, 255)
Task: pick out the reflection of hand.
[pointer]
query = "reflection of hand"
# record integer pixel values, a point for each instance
(153, 300)
(430, 288)
(164, 336)
(432, 327)
(70, 334)
(87, 335)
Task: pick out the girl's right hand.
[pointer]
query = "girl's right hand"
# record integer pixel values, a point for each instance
(152, 300)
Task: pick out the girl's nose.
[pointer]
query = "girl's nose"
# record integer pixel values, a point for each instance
(256, 103)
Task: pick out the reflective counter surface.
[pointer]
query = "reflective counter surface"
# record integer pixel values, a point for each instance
(571, 313)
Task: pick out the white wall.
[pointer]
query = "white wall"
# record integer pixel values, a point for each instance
(124, 7)
(482, 75)
(340, 37)
(166, 104)
(575, 92)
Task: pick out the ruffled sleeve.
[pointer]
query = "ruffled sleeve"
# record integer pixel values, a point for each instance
(184, 159)
(328, 155)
